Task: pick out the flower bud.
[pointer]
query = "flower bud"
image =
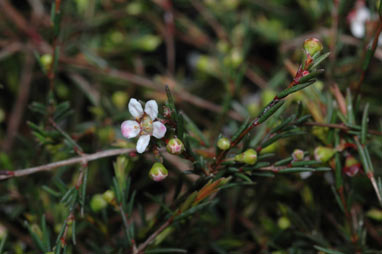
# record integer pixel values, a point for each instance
(298, 155)
(175, 146)
(352, 166)
(120, 99)
(223, 143)
(97, 203)
(323, 154)
(312, 46)
(158, 172)
(46, 61)
(108, 196)
(248, 157)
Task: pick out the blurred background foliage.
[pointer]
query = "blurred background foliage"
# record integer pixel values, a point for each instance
(224, 60)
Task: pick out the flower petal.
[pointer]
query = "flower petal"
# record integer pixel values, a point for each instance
(159, 129)
(135, 108)
(142, 143)
(151, 108)
(130, 129)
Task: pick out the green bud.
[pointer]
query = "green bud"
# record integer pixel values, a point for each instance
(97, 203)
(46, 61)
(323, 154)
(223, 143)
(108, 196)
(158, 172)
(134, 8)
(147, 42)
(298, 155)
(248, 157)
(312, 46)
(120, 99)
(283, 222)
(175, 146)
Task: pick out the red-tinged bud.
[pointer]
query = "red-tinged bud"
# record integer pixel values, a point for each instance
(175, 146)
(352, 166)
(158, 172)
(312, 46)
(298, 155)
(166, 112)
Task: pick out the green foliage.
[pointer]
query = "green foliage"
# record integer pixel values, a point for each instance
(260, 128)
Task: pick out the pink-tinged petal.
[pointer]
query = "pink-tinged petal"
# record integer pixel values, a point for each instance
(151, 108)
(142, 143)
(159, 129)
(159, 177)
(130, 129)
(135, 108)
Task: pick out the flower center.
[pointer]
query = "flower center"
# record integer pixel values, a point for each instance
(147, 125)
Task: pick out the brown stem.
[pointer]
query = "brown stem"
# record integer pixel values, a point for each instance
(71, 161)
(151, 238)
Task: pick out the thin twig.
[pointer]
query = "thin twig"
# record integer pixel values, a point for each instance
(71, 161)
(151, 238)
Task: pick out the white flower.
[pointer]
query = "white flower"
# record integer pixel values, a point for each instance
(358, 19)
(144, 125)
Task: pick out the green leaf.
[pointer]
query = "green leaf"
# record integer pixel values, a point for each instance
(269, 110)
(195, 209)
(61, 233)
(319, 60)
(282, 135)
(67, 195)
(303, 169)
(282, 125)
(2, 244)
(36, 238)
(170, 99)
(364, 124)
(191, 126)
(349, 107)
(338, 199)
(51, 191)
(305, 163)
(38, 108)
(62, 111)
(180, 126)
(295, 88)
(244, 177)
(83, 189)
(284, 161)
(241, 129)
(310, 76)
(328, 251)
(45, 234)
(74, 232)
(165, 250)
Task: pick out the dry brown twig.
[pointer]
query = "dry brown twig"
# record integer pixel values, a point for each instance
(47, 167)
